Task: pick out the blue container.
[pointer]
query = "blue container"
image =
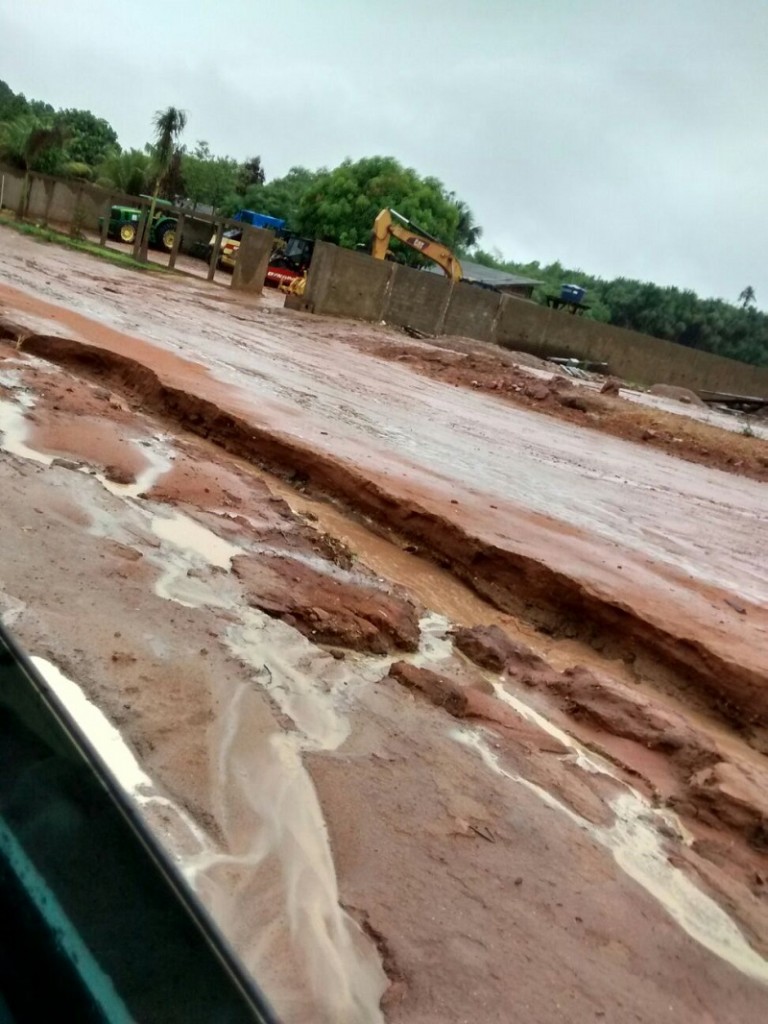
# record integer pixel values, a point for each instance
(259, 220)
(572, 293)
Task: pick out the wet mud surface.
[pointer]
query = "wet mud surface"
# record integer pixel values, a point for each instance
(405, 795)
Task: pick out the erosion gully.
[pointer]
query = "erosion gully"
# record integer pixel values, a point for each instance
(256, 824)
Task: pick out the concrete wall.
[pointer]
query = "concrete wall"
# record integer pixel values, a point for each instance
(416, 299)
(344, 283)
(630, 355)
(54, 200)
(252, 260)
(472, 312)
(12, 183)
(59, 202)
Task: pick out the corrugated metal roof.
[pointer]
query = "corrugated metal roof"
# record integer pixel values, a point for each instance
(490, 276)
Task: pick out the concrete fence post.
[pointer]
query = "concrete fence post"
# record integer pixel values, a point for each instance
(104, 232)
(176, 240)
(141, 229)
(440, 327)
(252, 261)
(216, 249)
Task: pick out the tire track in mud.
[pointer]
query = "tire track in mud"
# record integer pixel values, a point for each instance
(516, 583)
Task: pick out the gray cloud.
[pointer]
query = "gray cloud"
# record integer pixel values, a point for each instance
(618, 137)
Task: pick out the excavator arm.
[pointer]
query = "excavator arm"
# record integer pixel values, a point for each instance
(390, 224)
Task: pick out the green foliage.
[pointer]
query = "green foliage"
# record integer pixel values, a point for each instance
(341, 205)
(12, 105)
(89, 138)
(280, 197)
(251, 172)
(80, 138)
(128, 171)
(168, 125)
(32, 145)
(209, 179)
(78, 171)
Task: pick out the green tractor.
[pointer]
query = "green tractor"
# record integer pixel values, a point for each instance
(124, 221)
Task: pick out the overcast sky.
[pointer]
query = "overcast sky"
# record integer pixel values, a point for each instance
(624, 137)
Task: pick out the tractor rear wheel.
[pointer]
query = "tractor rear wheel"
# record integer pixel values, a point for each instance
(166, 236)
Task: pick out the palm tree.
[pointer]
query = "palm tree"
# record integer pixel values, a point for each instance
(23, 142)
(168, 125)
(468, 231)
(747, 297)
(128, 171)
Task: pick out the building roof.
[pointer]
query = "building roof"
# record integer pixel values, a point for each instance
(489, 276)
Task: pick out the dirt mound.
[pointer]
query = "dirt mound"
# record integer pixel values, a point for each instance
(611, 387)
(683, 395)
(326, 609)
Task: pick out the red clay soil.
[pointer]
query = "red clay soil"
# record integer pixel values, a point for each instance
(342, 612)
(680, 436)
(483, 900)
(727, 678)
(707, 785)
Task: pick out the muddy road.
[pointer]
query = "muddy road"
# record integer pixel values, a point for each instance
(558, 815)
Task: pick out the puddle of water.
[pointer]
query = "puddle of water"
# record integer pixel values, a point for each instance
(13, 428)
(158, 454)
(634, 841)
(190, 536)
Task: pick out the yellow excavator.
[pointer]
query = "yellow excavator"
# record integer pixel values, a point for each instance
(391, 224)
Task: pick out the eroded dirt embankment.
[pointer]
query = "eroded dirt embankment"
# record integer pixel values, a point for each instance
(490, 858)
(555, 601)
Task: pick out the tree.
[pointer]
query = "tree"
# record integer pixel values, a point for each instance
(90, 137)
(468, 231)
(12, 105)
(25, 143)
(341, 205)
(280, 197)
(747, 297)
(209, 179)
(249, 173)
(128, 171)
(168, 125)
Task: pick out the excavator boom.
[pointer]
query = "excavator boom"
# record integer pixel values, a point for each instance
(390, 224)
